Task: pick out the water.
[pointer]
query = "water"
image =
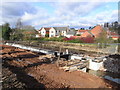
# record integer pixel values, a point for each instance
(115, 77)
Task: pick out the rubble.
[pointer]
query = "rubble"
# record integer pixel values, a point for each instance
(112, 63)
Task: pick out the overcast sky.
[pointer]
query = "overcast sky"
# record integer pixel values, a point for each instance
(59, 13)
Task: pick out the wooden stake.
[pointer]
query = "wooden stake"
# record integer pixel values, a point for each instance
(59, 57)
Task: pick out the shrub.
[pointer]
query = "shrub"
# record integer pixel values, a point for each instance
(47, 35)
(88, 39)
(78, 34)
(72, 40)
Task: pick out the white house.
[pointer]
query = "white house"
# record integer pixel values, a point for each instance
(53, 31)
(47, 31)
(43, 32)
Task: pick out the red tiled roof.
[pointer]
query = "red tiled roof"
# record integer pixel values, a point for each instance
(47, 32)
(115, 36)
(82, 30)
(97, 30)
(47, 29)
(29, 32)
(40, 29)
(94, 32)
(112, 33)
(86, 34)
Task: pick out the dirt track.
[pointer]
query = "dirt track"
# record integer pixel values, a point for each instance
(35, 73)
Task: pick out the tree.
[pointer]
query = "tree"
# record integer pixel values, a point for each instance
(28, 27)
(115, 26)
(47, 35)
(19, 24)
(82, 28)
(29, 35)
(103, 39)
(0, 32)
(17, 34)
(22, 32)
(90, 28)
(6, 30)
(106, 24)
(78, 34)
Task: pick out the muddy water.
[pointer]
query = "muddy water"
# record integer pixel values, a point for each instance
(115, 77)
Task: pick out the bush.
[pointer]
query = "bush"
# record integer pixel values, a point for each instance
(47, 35)
(88, 39)
(78, 34)
(56, 39)
(72, 40)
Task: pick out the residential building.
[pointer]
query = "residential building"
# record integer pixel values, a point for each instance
(70, 33)
(50, 32)
(95, 32)
(113, 35)
(53, 31)
(81, 32)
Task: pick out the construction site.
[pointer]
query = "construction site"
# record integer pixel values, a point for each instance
(29, 67)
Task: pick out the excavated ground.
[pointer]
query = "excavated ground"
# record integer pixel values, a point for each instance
(23, 69)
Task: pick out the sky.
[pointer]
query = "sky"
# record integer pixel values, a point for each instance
(75, 14)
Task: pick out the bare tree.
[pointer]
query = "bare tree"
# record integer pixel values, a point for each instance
(19, 24)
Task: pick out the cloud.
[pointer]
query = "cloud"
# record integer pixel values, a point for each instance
(17, 9)
(12, 11)
(75, 8)
(74, 14)
(67, 14)
(60, 1)
(41, 14)
(107, 16)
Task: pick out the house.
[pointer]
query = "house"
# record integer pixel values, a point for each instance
(29, 33)
(61, 31)
(70, 33)
(53, 31)
(80, 32)
(50, 31)
(113, 35)
(95, 32)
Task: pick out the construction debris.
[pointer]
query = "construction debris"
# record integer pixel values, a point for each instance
(112, 63)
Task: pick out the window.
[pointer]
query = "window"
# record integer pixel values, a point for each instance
(51, 31)
(51, 35)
